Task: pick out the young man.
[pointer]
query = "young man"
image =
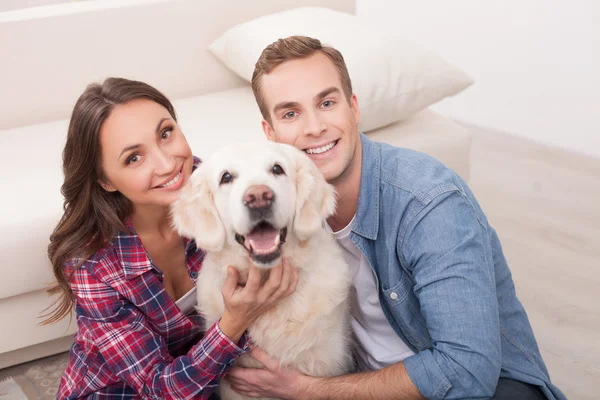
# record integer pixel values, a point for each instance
(434, 308)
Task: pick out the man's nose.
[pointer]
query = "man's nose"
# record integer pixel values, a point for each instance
(259, 196)
(315, 125)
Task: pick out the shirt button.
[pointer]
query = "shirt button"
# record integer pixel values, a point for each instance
(193, 274)
(394, 296)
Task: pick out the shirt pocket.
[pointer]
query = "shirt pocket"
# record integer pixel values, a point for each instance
(406, 311)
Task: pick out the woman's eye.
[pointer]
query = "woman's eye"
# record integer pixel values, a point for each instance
(166, 133)
(289, 114)
(226, 178)
(277, 170)
(133, 159)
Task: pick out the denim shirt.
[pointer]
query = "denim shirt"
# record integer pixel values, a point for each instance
(443, 281)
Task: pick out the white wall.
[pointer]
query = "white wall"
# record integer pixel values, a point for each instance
(536, 63)
(11, 5)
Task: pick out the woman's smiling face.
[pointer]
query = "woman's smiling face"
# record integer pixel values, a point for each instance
(145, 156)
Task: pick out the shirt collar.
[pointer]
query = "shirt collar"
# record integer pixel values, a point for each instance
(367, 214)
(131, 252)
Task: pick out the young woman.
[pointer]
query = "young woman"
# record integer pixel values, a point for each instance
(129, 276)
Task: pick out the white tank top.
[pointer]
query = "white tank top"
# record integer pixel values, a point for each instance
(378, 345)
(187, 302)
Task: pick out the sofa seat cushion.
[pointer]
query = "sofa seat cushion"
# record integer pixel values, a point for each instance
(31, 165)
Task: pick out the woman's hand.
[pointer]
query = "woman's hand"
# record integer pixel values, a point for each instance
(243, 304)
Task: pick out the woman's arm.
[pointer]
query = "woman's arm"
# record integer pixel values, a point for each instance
(139, 356)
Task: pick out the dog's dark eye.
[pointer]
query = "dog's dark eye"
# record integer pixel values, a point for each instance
(277, 170)
(226, 178)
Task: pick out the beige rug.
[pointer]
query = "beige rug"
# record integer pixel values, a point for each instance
(36, 380)
(10, 390)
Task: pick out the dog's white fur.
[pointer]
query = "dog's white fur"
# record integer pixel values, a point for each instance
(310, 329)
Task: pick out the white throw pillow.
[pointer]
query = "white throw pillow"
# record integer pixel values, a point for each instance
(392, 78)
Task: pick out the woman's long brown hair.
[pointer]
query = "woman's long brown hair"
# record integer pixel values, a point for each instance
(92, 216)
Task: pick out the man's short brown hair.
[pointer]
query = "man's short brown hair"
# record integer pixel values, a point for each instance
(293, 48)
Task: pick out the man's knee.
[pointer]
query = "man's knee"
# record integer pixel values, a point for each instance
(509, 389)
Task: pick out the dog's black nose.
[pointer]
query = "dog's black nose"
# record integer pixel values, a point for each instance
(259, 196)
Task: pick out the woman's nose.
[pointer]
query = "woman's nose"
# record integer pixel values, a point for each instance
(164, 163)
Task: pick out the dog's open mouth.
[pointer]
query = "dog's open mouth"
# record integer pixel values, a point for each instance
(263, 242)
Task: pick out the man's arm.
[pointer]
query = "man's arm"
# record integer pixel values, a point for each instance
(388, 383)
(446, 246)
(447, 249)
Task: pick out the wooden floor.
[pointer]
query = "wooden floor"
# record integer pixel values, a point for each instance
(545, 205)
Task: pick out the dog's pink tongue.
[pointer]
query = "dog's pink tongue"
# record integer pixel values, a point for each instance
(263, 239)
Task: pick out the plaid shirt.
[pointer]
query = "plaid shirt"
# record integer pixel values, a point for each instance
(133, 341)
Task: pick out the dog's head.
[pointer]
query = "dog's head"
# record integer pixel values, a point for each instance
(253, 195)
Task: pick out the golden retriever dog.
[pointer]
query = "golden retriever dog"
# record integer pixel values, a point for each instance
(257, 202)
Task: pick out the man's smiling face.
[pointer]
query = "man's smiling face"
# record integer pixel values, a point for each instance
(308, 109)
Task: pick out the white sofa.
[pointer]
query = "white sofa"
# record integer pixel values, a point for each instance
(53, 52)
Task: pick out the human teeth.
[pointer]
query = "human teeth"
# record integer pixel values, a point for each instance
(321, 149)
(172, 181)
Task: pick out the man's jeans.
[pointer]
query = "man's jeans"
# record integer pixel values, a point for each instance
(509, 389)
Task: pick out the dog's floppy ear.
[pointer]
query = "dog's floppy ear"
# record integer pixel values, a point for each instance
(315, 198)
(195, 214)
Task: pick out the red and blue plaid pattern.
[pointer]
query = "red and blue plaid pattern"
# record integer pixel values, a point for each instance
(133, 341)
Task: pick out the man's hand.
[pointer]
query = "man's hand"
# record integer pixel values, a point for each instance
(391, 383)
(272, 381)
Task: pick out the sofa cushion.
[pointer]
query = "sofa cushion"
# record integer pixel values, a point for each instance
(392, 77)
(31, 157)
(30, 161)
(214, 120)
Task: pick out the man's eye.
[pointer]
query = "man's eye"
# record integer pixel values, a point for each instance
(166, 133)
(289, 114)
(226, 178)
(327, 103)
